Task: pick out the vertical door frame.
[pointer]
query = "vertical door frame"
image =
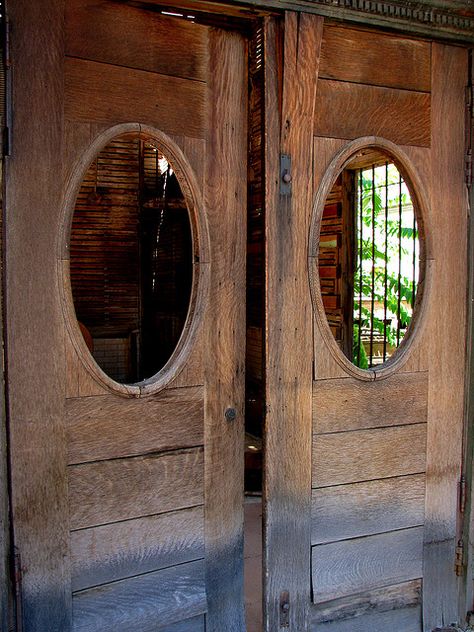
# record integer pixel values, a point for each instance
(33, 193)
(288, 420)
(466, 604)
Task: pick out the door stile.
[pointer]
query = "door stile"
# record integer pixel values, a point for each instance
(33, 192)
(447, 336)
(288, 425)
(467, 535)
(226, 188)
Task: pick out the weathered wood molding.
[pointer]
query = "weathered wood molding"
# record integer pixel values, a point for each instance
(445, 20)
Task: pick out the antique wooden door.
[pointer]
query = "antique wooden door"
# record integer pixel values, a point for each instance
(126, 499)
(362, 467)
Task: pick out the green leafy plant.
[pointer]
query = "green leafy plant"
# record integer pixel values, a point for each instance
(380, 241)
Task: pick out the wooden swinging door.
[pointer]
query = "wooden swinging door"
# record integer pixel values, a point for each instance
(362, 469)
(127, 501)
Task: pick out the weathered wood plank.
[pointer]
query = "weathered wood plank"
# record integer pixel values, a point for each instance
(348, 110)
(128, 36)
(404, 620)
(34, 327)
(395, 597)
(108, 491)
(349, 511)
(446, 346)
(109, 426)
(226, 177)
(362, 455)
(147, 603)
(112, 552)
(97, 92)
(353, 566)
(377, 59)
(351, 404)
(288, 313)
(196, 624)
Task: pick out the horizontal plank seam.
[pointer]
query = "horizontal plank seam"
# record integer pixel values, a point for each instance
(140, 517)
(365, 429)
(368, 535)
(349, 377)
(154, 454)
(386, 478)
(372, 85)
(368, 480)
(153, 398)
(151, 72)
(124, 579)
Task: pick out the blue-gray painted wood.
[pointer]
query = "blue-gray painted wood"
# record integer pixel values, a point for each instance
(142, 603)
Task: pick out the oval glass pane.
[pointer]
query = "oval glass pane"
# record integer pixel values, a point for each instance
(369, 258)
(131, 259)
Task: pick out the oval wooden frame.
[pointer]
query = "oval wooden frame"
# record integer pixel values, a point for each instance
(419, 198)
(201, 258)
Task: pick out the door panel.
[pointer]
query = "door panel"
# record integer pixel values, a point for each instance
(144, 489)
(386, 451)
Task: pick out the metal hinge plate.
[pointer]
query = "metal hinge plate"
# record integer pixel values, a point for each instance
(459, 563)
(18, 579)
(469, 133)
(7, 113)
(285, 174)
(285, 609)
(462, 494)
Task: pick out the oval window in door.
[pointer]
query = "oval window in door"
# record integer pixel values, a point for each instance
(370, 258)
(131, 259)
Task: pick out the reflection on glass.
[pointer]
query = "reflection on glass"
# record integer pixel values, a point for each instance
(369, 259)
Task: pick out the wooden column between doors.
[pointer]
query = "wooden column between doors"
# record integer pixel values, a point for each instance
(226, 191)
(287, 481)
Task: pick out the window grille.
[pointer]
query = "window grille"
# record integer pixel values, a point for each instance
(386, 263)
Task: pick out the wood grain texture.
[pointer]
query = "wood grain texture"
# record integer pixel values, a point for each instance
(108, 491)
(112, 552)
(131, 37)
(147, 603)
(403, 620)
(377, 59)
(349, 511)
(347, 110)
(353, 566)
(362, 455)
(287, 483)
(97, 92)
(446, 344)
(395, 597)
(34, 339)
(351, 404)
(109, 427)
(226, 174)
(196, 624)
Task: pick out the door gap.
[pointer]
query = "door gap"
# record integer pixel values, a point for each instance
(255, 357)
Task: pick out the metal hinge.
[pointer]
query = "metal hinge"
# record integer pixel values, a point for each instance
(469, 133)
(18, 580)
(7, 109)
(285, 609)
(462, 494)
(459, 563)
